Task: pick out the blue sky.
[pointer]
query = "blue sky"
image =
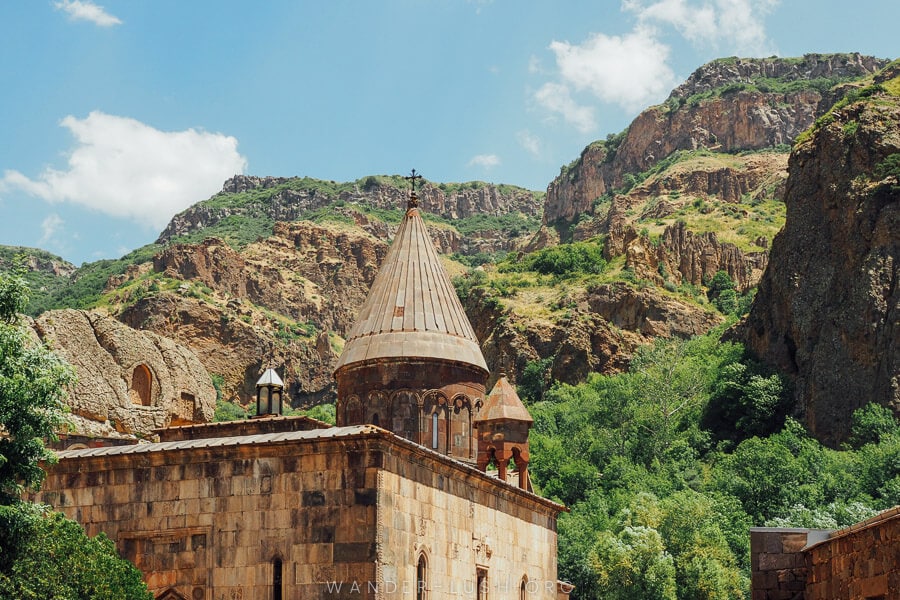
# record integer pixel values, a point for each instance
(117, 114)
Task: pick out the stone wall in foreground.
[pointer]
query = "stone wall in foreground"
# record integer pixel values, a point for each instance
(861, 561)
(323, 514)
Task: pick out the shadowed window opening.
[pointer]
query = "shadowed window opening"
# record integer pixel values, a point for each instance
(276, 579)
(141, 384)
(421, 578)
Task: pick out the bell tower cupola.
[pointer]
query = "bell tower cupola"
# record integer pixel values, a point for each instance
(503, 425)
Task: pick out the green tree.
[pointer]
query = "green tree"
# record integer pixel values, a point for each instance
(670, 388)
(634, 564)
(32, 392)
(872, 423)
(45, 555)
(695, 532)
(42, 553)
(535, 379)
(722, 293)
(746, 400)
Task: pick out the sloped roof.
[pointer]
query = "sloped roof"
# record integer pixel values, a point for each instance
(412, 310)
(503, 403)
(270, 377)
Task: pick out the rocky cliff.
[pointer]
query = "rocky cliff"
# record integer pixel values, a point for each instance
(594, 329)
(290, 199)
(708, 162)
(828, 307)
(286, 300)
(128, 382)
(727, 105)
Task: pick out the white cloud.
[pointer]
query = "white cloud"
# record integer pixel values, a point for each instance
(529, 142)
(628, 70)
(49, 226)
(125, 168)
(632, 70)
(486, 161)
(735, 26)
(557, 98)
(86, 10)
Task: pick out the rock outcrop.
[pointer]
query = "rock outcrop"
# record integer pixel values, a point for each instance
(599, 332)
(290, 199)
(682, 256)
(316, 276)
(741, 117)
(36, 260)
(298, 271)
(129, 382)
(828, 307)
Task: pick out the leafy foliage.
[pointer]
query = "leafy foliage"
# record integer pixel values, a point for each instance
(564, 260)
(666, 467)
(42, 554)
(535, 379)
(889, 167)
(45, 555)
(32, 390)
(322, 412)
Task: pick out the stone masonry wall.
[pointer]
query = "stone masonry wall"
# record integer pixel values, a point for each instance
(862, 561)
(777, 564)
(461, 528)
(347, 514)
(208, 522)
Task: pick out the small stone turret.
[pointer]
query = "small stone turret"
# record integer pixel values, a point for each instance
(503, 425)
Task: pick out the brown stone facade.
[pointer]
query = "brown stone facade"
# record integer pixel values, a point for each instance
(433, 403)
(334, 513)
(862, 561)
(859, 562)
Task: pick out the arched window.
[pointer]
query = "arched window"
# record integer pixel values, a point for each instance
(421, 578)
(434, 430)
(481, 584)
(141, 384)
(375, 420)
(523, 589)
(276, 578)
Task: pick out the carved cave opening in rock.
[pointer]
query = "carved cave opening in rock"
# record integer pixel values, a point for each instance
(141, 385)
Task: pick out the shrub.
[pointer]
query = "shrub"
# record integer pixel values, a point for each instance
(576, 258)
(45, 555)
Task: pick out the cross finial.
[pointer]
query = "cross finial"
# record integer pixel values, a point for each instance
(413, 198)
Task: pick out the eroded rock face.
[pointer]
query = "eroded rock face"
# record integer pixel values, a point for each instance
(828, 307)
(129, 381)
(290, 204)
(600, 333)
(649, 312)
(741, 120)
(317, 275)
(684, 256)
(236, 349)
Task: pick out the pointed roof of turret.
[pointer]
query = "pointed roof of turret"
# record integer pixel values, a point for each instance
(503, 404)
(270, 377)
(412, 310)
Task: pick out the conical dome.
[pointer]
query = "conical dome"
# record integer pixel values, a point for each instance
(412, 311)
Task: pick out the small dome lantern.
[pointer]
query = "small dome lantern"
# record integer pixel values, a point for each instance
(269, 391)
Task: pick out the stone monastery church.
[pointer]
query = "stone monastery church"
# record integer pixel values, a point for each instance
(395, 502)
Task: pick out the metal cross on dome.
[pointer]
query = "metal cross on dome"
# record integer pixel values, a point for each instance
(413, 198)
